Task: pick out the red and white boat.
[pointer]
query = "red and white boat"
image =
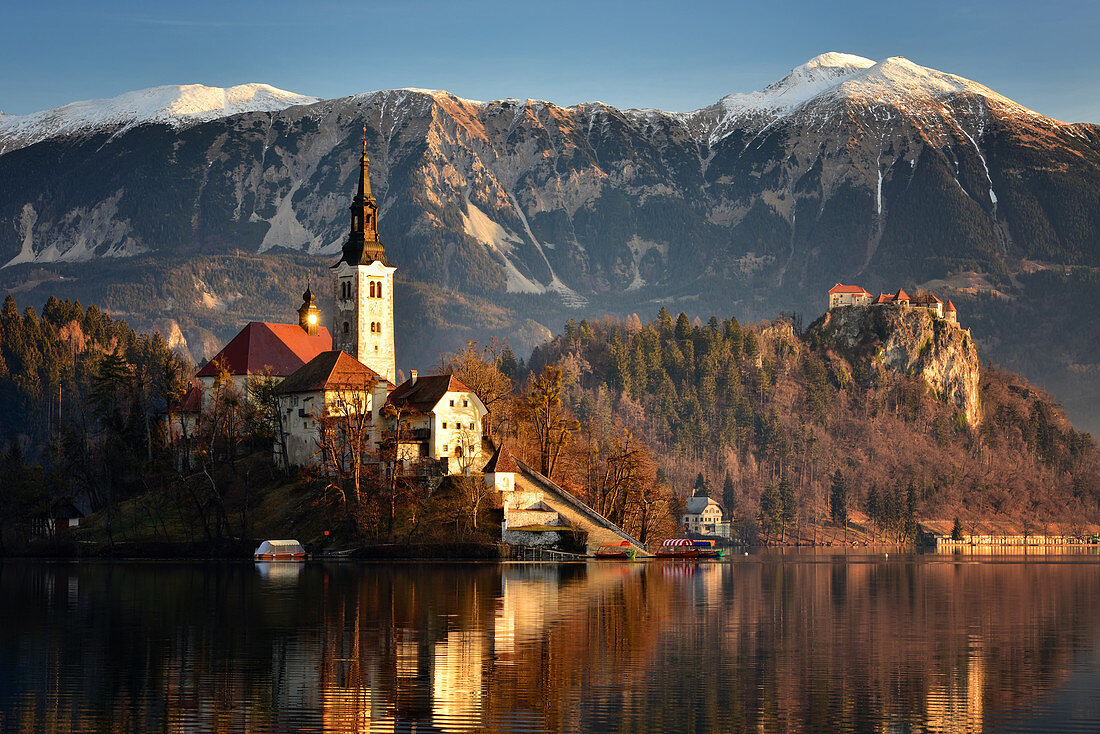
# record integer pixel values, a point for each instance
(688, 549)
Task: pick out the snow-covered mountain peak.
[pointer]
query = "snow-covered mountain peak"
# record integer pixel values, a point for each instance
(178, 105)
(900, 82)
(802, 84)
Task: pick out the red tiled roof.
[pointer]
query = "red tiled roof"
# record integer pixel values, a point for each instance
(426, 393)
(902, 295)
(501, 462)
(950, 306)
(191, 403)
(839, 288)
(924, 299)
(332, 369)
(282, 348)
(884, 298)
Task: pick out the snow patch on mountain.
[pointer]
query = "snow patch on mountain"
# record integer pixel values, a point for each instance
(175, 105)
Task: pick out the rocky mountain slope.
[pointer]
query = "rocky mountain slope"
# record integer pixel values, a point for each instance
(908, 342)
(846, 169)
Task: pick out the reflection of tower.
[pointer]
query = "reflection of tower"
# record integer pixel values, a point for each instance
(457, 681)
(362, 310)
(957, 704)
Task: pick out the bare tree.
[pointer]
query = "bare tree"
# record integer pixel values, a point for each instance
(549, 420)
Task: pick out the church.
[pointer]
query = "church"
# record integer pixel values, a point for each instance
(337, 399)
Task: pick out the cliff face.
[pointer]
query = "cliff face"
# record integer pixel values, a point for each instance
(908, 342)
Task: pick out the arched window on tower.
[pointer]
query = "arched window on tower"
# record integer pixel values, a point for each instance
(372, 289)
(379, 289)
(345, 327)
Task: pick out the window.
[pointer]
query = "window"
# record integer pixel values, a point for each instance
(372, 289)
(471, 425)
(458, 451)
(465, 403)
(444, 425)
(452, 403)
(345, 327)
(444, 448)
(379, 290)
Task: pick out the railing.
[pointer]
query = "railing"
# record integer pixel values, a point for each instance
(581, 507)
(526, 553)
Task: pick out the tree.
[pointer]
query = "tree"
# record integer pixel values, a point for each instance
(957, 530)
(547, 416)
(771, 510)
(481, 370)
(838, 500)
(700, 488)
(729, 497)
(789, 503)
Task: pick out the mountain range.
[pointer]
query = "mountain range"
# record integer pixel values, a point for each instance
(193, 208)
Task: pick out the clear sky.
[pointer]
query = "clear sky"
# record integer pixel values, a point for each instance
(674, 55)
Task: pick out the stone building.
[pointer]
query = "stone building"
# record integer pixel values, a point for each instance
(332, 392)
(437, 417)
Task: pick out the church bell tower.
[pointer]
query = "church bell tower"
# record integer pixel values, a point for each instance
(362, 283)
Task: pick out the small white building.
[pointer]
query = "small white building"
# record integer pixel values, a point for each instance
(702, 515)
(437, 417)
(848, 295)
(336, 388)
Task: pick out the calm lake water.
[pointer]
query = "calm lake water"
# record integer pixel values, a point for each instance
(781, 642)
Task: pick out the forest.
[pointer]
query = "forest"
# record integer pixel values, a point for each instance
(786, 432)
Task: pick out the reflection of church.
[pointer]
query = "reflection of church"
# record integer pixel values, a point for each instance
(346, 377)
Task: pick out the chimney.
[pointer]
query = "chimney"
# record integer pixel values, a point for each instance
(412, 379)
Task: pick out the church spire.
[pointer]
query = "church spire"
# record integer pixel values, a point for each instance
(362, 246)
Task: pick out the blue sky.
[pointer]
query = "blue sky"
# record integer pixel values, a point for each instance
(672, 55)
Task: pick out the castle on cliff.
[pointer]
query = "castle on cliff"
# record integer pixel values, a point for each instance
(841, 295)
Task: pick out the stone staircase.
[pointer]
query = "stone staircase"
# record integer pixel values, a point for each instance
(533, 486)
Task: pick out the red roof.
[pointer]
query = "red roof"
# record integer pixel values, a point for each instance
(839, 288)
(191, 403)
(902, 295)
(501, 462)
(333, 369)
(282, 348)
(950, 306)
(884, 298)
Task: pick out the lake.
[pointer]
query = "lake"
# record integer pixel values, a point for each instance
(765, 642)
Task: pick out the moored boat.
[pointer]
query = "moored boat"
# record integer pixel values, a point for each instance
(688, 549)
(280, 550)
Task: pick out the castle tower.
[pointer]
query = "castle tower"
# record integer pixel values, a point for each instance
(362, 285)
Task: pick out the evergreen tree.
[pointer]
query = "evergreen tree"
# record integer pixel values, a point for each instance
(838, 499)
(957, 530)
(729, 496)
(700, 489)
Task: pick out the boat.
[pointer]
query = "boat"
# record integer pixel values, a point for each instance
(621, 551)
(280, 550)
(689, 549)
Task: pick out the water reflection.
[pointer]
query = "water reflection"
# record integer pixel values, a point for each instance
(774, 643)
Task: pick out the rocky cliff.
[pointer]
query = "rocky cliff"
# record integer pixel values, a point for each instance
(884, 342)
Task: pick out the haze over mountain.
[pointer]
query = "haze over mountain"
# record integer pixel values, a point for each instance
(520, 214)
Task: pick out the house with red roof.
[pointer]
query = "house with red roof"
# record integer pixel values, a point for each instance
(848, 295)
(265, 349)
(438, 417)
(331, 403)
